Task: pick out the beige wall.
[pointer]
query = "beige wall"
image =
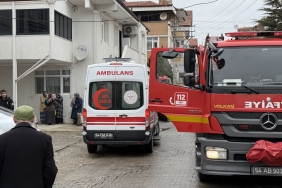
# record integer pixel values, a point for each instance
(157, 28)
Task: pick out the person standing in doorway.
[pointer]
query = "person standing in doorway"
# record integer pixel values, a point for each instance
(50, 110)
(43, 97)
(26, 155)
(76, 107)
(6, 101)
(59, 109)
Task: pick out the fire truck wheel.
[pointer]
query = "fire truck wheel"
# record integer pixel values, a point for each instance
(149, 147)
(92, 148)
(204, 177)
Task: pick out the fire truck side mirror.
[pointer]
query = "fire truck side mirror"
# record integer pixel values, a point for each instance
(171, 54)
(189, 60)
(189, 80)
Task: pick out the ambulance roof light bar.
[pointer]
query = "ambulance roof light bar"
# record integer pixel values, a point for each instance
(254, 34)
(117, 59)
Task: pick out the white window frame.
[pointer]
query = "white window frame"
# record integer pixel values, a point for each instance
(61, 76)
(158, 39)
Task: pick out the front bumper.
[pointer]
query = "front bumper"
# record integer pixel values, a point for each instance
(120, 138)
(236, 163)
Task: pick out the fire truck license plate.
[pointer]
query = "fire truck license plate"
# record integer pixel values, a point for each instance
(266, 170)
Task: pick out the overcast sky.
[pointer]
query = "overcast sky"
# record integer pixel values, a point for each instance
(220, 16)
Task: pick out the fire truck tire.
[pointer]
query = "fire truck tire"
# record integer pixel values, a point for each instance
(149, 147)
(92, 148)
(204, 177)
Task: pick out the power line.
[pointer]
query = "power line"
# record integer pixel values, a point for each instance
(236, 16)
(84, 20)
(104, 20)
(249, 16)
(201, 4)
(229, 11)
(222, 10)
(217, 21)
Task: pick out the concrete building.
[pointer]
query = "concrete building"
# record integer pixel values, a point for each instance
(169, 27)
(48, 44)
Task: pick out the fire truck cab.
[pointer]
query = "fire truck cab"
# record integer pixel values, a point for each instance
(116, 105)
(233, 101)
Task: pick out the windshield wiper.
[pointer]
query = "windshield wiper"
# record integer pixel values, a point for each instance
(251, 89)
(242, 85)
(275, 83)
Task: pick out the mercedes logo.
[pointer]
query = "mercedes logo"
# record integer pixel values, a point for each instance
(268, 121)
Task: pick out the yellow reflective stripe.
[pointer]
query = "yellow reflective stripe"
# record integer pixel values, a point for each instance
(186, 118)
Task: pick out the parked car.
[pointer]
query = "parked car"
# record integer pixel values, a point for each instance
(6, 120)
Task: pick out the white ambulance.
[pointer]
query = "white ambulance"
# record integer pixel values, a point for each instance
(115, 105)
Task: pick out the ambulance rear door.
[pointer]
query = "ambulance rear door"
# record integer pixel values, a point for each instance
(101, 109)
(131, 96)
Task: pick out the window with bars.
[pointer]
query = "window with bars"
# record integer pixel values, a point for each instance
(63, 26)
(53, 81)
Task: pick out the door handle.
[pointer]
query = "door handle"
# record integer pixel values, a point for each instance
(123, 115)
(156, 100)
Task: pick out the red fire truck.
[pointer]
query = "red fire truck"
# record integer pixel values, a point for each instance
(233, 102)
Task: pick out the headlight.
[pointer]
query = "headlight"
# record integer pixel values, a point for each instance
(216, 152)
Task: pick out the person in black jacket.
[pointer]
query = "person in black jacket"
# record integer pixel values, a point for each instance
(26, 155)
(6, 101)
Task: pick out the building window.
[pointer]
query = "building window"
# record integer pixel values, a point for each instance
(33, 22)
(63, 26)
(53, 81)
(152, 42)
(5, 22)
(105, 30)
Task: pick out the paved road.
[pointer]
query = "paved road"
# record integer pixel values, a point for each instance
(170, 165)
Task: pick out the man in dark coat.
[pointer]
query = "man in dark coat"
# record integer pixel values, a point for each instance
(6, 101)
(26, 155)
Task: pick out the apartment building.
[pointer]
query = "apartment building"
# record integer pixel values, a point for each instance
(48, 44)
(169, 27)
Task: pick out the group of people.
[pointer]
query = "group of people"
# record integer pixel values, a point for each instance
(51, 108)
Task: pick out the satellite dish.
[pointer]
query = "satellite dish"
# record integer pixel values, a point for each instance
(163, 16)
(80, 52)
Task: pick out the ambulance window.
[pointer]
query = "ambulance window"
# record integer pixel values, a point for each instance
(132, 95)
(116, 95)
(101, 96)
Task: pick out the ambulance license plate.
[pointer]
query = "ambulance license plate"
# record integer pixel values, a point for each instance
(266, 170)
(103, 135)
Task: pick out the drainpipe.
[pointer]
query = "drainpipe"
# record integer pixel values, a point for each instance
(73, 61)
(52, 26)
(95, 35)
(15, 64)
(139, 37)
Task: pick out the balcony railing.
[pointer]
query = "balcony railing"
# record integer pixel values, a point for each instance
(181, 28)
